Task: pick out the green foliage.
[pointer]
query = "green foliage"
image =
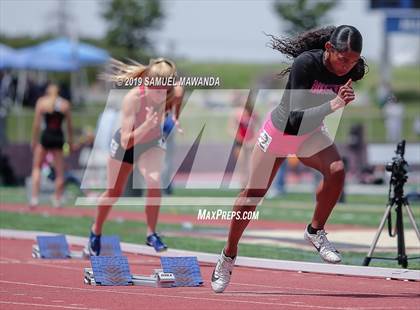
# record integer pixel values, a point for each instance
(23, 41)
(129, 25)
(302, 15)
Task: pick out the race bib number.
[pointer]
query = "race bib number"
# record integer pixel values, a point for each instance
(113, 147)
(264, 140)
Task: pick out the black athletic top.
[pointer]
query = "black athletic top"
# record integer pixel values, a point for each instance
(53, 120)
(52, 136)
(310, 87)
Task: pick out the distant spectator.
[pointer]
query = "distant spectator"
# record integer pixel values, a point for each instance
(50, 112)
(416, 126)
(356, 150)
(373, 175)
(106, 127)
(394, 114)
(383, 93)
(278, 188)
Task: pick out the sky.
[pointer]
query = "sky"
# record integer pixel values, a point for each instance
(203, 30)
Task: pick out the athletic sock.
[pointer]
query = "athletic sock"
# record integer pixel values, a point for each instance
(232, 257)
(312, 230)
(93, 235)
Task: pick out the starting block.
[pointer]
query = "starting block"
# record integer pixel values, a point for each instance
(58, 248)
(185, 269)
(51, 247)
(114, 270)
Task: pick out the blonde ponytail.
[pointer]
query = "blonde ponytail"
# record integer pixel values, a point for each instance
(119, 71)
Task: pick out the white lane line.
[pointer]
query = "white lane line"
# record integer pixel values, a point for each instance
(407, 290)
(202, 298)
(50, 266)
(45, 305)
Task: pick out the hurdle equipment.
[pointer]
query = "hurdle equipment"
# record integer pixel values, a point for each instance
(115, 271)
(185, 269)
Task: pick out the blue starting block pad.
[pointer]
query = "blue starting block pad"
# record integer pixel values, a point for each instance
(57, 247)
(115, 271)
(51, 247)
(110, 246)
(110, 270)
(185, 269)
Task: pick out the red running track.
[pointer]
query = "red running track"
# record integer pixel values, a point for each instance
(27, 283)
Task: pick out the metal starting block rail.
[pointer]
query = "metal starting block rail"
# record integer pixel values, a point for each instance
(115, 271)
(157, 279)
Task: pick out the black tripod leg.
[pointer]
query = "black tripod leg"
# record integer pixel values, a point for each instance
(368, 258)
(412, 220)
(402, 257)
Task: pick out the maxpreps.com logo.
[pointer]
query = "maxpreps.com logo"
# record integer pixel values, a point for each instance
(219, 214)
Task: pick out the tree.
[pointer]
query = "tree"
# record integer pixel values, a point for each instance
(302, 15)
(129, 25)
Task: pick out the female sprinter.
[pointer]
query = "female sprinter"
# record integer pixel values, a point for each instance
(139, 142)
(326, 60)
(50, 110)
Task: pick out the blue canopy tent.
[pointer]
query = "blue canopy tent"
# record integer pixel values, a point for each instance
(6, 56)
(84, 53)
(31, 58)
(62, 54)
(76, 54)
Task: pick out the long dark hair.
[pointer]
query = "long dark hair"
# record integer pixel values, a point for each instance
(343, 38)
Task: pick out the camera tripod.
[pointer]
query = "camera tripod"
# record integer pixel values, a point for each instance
(398, 203)
(398, 168)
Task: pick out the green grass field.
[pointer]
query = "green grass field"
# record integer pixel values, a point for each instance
(360, 210)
